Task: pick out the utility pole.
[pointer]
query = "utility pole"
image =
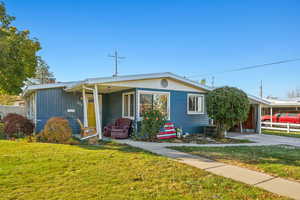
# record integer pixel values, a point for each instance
(261, 89)
(117, 58)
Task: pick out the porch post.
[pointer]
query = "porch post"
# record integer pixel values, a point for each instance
(259, 119)
(85, 120)
(97, 112)
(271, 113)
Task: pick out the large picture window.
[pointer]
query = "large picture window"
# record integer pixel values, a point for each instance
(195, 104)
(154, 100)
(128, 105)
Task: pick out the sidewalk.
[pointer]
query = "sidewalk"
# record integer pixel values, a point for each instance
(273, 184)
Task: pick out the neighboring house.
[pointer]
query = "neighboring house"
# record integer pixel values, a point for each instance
(100, 101)
(5, 110)
(274, 106)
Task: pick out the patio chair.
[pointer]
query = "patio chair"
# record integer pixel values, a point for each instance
(86, 131)
(119, 130)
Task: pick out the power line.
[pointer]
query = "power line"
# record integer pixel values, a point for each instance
(248, 67)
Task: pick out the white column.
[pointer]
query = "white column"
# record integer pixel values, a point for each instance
(271, 113)
(97, 112)
(259, 119)
(85, 118)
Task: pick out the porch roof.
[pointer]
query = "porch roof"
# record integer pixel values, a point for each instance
(112, 79)
(71, 86)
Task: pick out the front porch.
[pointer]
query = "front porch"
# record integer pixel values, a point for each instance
(102, 104)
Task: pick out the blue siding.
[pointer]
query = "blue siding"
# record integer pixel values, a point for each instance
(54, 103)
(189, 123)
(178, 107)
(112, 106)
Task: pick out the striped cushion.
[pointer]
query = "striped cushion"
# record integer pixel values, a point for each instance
(168, 131)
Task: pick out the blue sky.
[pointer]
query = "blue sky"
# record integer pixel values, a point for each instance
(184, 37)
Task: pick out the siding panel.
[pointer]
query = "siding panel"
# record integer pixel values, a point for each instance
(178, 106)
(55, 102)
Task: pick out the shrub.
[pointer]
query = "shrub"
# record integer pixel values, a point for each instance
(56, 130)
(10, 116)
(227, 106)
(151, 124)
(16, 126)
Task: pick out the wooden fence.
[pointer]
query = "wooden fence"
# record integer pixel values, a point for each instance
(288, 127)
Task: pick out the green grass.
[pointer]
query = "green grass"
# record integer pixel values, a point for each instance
(283, 161)
(2, 136)
(40, 171)
(281, 133)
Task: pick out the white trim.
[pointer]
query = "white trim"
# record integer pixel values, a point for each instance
(35, 108)
(139, 92)
(259, 119)
(202, 105)
(85, 115)
(101, 108)
(97, 112)
(131, 115)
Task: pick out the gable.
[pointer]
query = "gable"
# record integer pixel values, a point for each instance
(157, 83)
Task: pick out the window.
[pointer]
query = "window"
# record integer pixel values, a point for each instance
(154, 100)
(128, 105)
(195, 104)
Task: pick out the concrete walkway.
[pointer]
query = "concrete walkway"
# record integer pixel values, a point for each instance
(273, 184)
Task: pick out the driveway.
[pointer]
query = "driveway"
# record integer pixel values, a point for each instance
(267, 139)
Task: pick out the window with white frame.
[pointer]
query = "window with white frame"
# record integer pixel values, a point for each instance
(128, 105)
(154, 100)
(195, 104)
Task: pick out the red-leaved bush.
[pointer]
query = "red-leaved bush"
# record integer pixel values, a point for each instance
(16, 126)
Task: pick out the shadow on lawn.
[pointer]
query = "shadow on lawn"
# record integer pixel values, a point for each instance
(115, 147)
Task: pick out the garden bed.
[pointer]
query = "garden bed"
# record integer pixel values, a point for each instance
(200, 139)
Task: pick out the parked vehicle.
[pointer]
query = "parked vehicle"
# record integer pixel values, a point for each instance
(282, 118)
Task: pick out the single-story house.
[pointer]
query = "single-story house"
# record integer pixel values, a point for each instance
(100, 101)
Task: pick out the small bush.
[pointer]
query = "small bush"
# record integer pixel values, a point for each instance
(17, 126)
(151, 124)
(10, 116)
(56, 130)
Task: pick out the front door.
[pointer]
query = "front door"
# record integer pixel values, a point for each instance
(91, 113)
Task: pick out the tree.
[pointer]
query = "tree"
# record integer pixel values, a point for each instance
(227, 106)
(294, 93)
(42, 74)
(18, 60)
(203, 81)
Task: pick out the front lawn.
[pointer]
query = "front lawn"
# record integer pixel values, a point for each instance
(32, 171)
(281, 133)
(283, 161)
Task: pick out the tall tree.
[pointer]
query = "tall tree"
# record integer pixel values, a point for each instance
(42, 73)
(294, 93)
(18, 60)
